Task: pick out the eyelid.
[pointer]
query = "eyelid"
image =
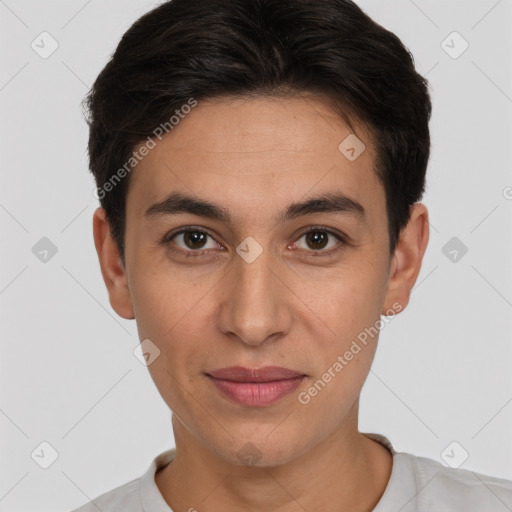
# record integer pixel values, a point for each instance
(339, 235)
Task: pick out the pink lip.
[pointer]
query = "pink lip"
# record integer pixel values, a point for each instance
(255, 387)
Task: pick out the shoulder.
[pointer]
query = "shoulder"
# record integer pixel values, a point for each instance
(138, 495)
(125, 498)
(421, 484)
(454, 488)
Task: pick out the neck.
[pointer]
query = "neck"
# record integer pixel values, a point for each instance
(344, 472)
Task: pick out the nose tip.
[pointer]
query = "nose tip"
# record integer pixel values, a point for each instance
(255, 307)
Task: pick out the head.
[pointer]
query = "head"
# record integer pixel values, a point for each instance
(290, 138)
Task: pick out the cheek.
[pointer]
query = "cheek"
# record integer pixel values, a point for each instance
(152, 311)
(353, 314)
(349, 300)
(161, 300)
(170, 312)
(177, 369)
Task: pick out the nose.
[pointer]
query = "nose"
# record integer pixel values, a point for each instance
(256, 304)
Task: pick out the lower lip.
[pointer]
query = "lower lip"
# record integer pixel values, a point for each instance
(256, 394)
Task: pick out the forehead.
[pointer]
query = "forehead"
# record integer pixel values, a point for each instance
(248, 150)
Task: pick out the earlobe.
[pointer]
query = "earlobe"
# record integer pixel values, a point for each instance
(112, 269)
(407, 259)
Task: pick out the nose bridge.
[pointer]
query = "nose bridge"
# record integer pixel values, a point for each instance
(254, 307)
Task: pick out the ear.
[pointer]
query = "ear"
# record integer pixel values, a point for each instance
(407, 259)
(112, 268)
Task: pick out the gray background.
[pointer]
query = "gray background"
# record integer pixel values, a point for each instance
(68, 373)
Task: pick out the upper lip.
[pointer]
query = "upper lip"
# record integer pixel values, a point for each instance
(265, 374)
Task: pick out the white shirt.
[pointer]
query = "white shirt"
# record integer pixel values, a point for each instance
(417, 484)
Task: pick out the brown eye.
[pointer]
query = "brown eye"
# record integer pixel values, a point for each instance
(320, 242)
(190, 242)
(317, 239)
(194, 239)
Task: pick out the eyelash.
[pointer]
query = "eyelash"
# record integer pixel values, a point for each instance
(200, 252)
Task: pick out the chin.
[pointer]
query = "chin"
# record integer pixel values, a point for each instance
(261, 453)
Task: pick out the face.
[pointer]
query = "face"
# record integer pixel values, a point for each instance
(259, 280)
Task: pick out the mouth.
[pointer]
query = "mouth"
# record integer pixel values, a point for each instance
(255, 387)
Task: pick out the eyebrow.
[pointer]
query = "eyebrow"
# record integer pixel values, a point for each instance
(336, 203)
